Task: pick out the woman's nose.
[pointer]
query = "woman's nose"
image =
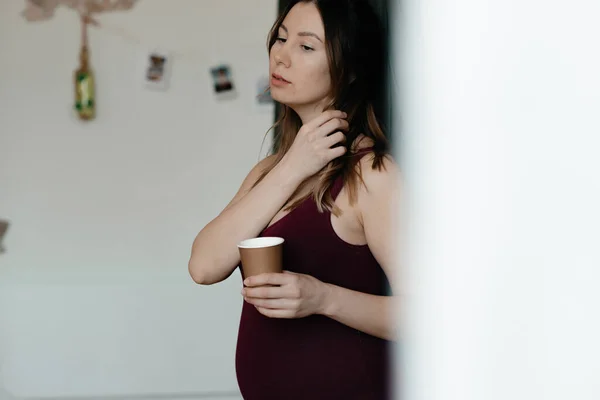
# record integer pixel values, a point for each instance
(282, 56)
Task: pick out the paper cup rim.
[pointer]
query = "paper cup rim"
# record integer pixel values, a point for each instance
(260, 242)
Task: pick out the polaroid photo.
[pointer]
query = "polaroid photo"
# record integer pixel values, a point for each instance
(222, 82)
(157, 69)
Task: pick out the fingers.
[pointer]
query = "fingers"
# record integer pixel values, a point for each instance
(335, 138)
(267, 312)
(325, 117)
(266, 279)
(272, 286)
(266, 292)
(335, 124)
(337, 152)
(274, 304)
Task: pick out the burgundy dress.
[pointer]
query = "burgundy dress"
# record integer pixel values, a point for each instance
(315, 357)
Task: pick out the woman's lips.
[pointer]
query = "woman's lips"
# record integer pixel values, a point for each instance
(278, 80)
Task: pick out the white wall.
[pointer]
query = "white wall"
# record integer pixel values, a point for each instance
(501, 128)
(95, 299)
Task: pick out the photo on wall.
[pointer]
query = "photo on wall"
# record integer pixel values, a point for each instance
(157, 67)
(221, 78)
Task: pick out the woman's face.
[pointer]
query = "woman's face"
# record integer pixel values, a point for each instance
(298, 61)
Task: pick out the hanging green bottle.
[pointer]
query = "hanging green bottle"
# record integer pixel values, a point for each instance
(85, 104)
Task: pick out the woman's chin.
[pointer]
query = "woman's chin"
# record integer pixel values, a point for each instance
(285, 102)
(293, 102)
(278, 97)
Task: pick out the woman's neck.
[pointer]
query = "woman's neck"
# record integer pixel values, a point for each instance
(308, 112)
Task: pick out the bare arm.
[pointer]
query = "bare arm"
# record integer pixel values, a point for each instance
(365, 312)
(369, 313)
(214, 251)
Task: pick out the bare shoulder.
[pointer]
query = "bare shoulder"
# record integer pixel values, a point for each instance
(378, 181)
(377, 203)
(379, 189)
(375, 180)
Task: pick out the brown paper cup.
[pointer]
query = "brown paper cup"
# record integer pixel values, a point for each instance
(261, 255)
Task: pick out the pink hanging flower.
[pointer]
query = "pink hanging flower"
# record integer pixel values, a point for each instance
(40, 10)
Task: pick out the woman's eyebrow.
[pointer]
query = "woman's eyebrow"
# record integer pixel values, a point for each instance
(303, 33)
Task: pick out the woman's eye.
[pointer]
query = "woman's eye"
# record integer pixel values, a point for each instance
(281, 40)
(306, 48)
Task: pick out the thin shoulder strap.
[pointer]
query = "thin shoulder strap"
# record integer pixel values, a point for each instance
(338, 184)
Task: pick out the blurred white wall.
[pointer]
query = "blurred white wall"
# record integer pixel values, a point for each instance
(500, 133)
(95, 297)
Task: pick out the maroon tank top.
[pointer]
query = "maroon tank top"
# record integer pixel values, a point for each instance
(315, 357)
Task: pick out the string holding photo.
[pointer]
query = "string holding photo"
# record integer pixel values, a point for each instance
(211, 53)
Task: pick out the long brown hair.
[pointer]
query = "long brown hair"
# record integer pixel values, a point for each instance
(354, 41)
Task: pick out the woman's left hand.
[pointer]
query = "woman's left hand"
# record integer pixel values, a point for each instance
(291, 296)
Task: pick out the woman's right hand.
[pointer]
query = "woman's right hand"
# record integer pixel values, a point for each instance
(312, 148)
